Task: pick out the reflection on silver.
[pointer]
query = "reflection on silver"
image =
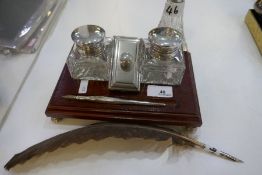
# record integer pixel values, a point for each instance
(89, 40)
(127, 61)
(112, 100)
(177, 1)
(164, 43)
(88, 34)
(87, 59)
(24, 31)
(124, 74)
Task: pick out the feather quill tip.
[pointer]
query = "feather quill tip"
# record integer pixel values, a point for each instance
(230, 157)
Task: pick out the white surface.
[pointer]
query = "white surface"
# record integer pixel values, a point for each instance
(13, 71)
(228, 71)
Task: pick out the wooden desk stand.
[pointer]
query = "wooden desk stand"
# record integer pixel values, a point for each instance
(182, 109)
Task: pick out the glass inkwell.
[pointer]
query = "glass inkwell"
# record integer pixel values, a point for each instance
(163, 62)
(87, 59)
(126, 62)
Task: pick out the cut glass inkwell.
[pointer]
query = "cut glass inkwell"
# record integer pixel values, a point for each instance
(87, 57)
(126, 62)
(165, 42)
(163, 62)
(89, 40)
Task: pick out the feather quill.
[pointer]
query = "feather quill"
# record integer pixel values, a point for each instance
(104, 130)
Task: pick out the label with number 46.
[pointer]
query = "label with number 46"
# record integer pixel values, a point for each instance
(172, 9)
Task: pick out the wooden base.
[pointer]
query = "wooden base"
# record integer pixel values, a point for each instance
(254, 23)
(182, 110)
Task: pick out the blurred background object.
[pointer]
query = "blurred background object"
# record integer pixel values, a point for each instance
(254, 23)
(24, 24)
(258, 7)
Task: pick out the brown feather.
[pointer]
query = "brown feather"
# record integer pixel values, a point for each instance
(97, 131)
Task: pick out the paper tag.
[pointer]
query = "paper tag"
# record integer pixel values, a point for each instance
(83, 87)
(173, 9)
(160, 91)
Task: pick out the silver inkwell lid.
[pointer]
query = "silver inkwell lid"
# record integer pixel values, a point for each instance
(165, 42)
(89, 40)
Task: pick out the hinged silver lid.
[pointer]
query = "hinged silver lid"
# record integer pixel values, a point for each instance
(124, 73)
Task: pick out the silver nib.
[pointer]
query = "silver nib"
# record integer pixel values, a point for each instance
(230, 157)
(219, 153)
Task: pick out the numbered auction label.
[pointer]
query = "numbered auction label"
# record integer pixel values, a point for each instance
(173, 9)
(83, 87)
(160, 91)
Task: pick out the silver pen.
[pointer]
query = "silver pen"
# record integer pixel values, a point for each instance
(113, 100)
(206, 147)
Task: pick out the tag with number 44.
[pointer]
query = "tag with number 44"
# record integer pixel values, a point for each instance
(160, 91)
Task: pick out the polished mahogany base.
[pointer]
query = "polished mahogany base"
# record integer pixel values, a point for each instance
(183, 109)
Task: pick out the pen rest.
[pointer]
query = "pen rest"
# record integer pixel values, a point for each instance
(183, 109)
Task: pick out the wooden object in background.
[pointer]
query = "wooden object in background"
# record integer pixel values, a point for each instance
(183, 109)
(254, 24)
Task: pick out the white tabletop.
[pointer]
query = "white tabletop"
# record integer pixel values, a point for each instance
(228, 72)
(14, 69)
